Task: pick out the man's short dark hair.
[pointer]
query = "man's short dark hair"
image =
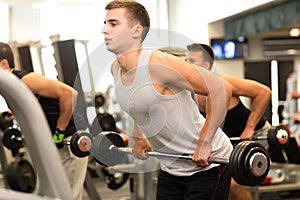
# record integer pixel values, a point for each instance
(207, 51)
(6, 53)
(136, 12)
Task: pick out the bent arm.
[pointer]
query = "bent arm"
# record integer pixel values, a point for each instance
(65, 95)
(260, 95)
(179, 75)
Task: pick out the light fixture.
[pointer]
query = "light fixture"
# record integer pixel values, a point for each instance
(294, 32)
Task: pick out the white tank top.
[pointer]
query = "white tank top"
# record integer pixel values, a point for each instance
(171, 123)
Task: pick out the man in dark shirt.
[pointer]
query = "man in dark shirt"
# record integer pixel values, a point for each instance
(58, 101)
(239, 121)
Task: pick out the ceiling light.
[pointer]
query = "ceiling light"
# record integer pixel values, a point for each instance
(294, 32)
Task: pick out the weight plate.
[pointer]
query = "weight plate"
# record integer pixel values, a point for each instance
(242, 160)
(21, 176)
(236, 163)
(257, 164)
(102, 153)
(11, 138)
(81, 144)
(278, 136)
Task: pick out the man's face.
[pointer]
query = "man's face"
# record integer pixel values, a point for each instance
(117, 31)
(197, 58)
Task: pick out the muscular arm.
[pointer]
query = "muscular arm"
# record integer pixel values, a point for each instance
(65, 94)
(178, 75)
(260, 95)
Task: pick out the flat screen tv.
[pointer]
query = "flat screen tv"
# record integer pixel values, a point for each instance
(230, 49)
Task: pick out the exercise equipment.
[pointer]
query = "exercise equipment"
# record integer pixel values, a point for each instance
(249, 161)
(80, 142)
(114, 179)
(21, 176)
(104, 122)
(6, 120)
(12, 139)
(278, 136)
(100, 147)
(99, 100)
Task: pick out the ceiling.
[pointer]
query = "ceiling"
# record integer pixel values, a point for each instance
(241, 6)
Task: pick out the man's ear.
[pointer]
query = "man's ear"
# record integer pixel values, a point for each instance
(4, 63)
(206, 65)
(138, 30)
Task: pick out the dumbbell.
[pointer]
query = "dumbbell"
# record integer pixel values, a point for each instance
(249, 162)
(278, 136)
(80, 142)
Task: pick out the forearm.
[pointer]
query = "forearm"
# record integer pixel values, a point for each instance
(217, 105)
(259, 106)
(141, 144)
(67, 103)
(254, 117)
(137, 132)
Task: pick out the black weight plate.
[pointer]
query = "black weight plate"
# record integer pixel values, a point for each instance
(101, 152)
(255, 180)
(106, 121)
(236, 162)
(274, 141)
(99, 100)
(9, 142)
(74, 144)
(21, 176)
(243, 174)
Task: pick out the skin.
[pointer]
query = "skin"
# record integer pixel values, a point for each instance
(259, 93)
(260, 96)
(41, 86)
(124, 39)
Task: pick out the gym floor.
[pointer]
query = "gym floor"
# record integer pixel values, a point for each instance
(105, 193)
(123, 193)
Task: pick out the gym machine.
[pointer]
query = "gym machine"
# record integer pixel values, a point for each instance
(53, 182)
(285, 165)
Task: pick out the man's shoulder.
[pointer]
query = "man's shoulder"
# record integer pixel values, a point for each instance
(20, 73)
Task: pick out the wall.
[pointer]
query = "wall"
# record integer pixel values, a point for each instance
(4, 16)
(24, 24)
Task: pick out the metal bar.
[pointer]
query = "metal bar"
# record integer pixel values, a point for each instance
(216, 160)
(263, 137)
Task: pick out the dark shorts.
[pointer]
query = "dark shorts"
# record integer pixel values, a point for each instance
(211, 184)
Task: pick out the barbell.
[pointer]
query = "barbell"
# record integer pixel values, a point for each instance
(114, 180)
(277, 136)
(249, 162)
(80, 142)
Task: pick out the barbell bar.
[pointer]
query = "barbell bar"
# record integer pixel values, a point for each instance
(249, 162)
(80, 142)
(278, 136)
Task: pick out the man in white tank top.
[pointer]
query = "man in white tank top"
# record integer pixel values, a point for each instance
(154, 88)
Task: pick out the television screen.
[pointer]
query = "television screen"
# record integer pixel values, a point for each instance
(230, 49)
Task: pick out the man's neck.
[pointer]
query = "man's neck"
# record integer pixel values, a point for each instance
(128, 61)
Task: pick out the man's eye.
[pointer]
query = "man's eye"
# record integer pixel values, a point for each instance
(113, 24)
